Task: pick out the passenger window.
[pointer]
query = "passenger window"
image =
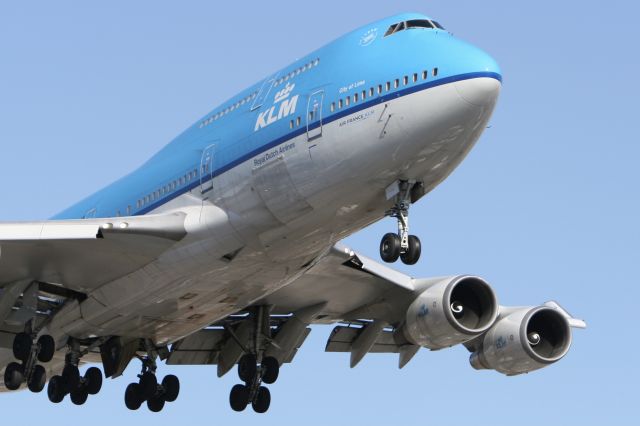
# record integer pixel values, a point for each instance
(396, 83)
(405, 80)
(298, 121)
(424, 75)
(388, 86)
(339, 103)
(355, 98)
(415, 77)
(347, 100)
(379, 89)
(435, 72)
(371, 92)
(291, 124)
(333, 106)
(364, 95)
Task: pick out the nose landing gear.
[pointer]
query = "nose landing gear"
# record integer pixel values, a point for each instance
(401, 244)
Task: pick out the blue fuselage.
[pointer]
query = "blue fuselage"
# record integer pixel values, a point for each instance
(355, 72)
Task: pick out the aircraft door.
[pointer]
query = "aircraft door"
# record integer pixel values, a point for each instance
(314, 115)
(206, 171)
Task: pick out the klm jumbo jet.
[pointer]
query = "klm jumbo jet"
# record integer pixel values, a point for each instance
(224, 248)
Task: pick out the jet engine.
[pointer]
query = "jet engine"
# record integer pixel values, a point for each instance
(451, 311)
(523, 341)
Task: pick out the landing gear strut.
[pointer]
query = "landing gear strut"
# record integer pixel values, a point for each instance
(401, 244)
(71, 383)
(148, 389)
(29, 351)
(255, 369)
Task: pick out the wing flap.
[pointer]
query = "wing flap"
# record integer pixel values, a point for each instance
(342, 339)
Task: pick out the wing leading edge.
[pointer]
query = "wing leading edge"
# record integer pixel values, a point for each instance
(83, 254)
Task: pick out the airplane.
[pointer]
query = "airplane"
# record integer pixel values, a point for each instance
(224, 247)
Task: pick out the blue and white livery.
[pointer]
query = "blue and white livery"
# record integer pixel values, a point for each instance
(224, 247)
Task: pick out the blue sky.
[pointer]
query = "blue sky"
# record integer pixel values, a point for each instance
(545, 207)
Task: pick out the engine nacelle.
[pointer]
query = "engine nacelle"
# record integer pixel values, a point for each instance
(523, 341)
(451, 311)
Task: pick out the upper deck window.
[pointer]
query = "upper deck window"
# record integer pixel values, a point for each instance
(411, 24)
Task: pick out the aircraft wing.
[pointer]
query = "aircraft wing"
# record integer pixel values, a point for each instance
(367, 301)
(350, 286)
(84, 254)
(339, 286)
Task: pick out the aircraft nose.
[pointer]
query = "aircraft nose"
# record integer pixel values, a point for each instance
(483, 86)
(479, 91)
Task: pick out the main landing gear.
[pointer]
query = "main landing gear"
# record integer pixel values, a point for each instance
(71, 383)
(254, 375)
(29, 351)
(401, 244)
(256, 369)
(148, 389)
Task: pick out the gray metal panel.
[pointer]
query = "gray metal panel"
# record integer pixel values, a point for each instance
(352, 286)
(199, 348)
(273, 183)
(298, 345)
(343, 336)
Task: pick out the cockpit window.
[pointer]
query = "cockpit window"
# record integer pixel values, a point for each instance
(395, 28)
(419, 23)
(414, 23)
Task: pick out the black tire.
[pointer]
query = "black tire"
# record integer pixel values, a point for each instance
(79, 396)
(262, 400)
(155, 404)
(270, 370)
(390, 247)
(71, 376)
(13, 376)
(148, 385)
(239, 397)
(411, 256)
(38, 379)
(133, 396)
(22, 346)
(47, 347)
(93, 380)
(247, 368)
(171, 386)
(57, 389)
